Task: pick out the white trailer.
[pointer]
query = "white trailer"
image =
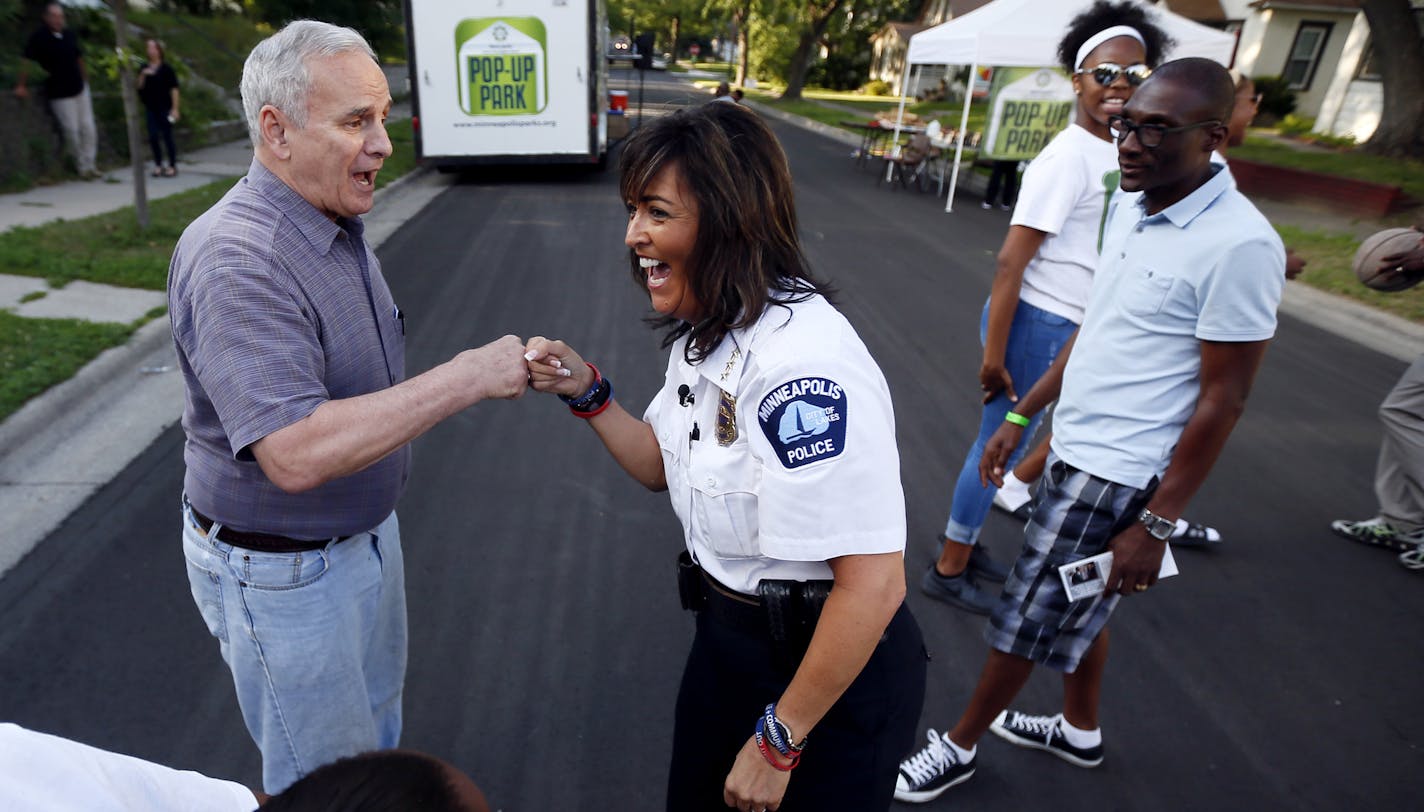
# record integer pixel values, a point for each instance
(508, 81)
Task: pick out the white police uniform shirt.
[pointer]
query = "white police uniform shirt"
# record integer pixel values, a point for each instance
(779, 449)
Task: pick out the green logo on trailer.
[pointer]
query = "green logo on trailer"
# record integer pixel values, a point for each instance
(501, 64)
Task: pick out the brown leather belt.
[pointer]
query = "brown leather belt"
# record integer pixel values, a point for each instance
(734, 609)
(262, 542)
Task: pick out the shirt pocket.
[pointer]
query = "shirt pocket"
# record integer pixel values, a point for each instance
(724, 482)
(1144, 292)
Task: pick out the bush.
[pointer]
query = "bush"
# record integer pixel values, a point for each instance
(1277, 99)
(876, 87)
(1295, 125)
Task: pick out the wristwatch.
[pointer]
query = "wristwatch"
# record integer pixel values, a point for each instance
(1157, 527)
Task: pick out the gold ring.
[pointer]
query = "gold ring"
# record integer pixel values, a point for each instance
(1141, 587)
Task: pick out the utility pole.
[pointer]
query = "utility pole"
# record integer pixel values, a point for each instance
(126, 80)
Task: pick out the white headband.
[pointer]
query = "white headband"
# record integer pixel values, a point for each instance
(1103, 36)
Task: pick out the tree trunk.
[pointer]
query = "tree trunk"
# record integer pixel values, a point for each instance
(743, 21)
(126, 80)
(676, 32)
(810, 37)
(1399, 54)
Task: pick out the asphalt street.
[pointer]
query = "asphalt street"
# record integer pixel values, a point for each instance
(1278, 671)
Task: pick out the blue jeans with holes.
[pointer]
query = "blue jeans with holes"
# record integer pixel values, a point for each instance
(316, 642)
(1035, 339)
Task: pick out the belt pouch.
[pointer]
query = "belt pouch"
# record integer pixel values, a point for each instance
(691, 586)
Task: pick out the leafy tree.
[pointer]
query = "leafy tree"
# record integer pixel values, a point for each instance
(380, 21)
(1399, 55)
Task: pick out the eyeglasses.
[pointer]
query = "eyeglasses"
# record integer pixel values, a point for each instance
(1150, 135)
(1107, 72)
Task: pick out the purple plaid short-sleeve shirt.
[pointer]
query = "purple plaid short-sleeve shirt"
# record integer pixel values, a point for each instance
(275, 310)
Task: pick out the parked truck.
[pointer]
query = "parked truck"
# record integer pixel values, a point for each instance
(508, 81)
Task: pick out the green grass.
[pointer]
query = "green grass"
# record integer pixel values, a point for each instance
(214, 47)
(36, 354)
(108, 248)
(835, 107)
(402, 158)
(1408, 174)
(1328, 258)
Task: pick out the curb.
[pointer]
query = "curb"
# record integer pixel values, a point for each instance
(53, 404)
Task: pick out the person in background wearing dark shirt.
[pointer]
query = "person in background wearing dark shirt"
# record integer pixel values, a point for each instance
(158, 88)
(56, 49)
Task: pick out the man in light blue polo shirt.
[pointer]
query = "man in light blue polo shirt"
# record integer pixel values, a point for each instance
(1182, 307)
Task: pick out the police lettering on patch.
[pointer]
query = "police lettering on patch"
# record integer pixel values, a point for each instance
(804, 420)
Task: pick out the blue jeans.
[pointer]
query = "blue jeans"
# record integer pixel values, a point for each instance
(316, 642)
(1035, 339)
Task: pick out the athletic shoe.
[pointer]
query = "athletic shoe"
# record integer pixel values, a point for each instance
(957, 590)
(1044, 733)
(1379, 533)
(981, 564)
(1005, 207)
(1413, 559)
(928, 773)
(1193, 534)
(986, 205)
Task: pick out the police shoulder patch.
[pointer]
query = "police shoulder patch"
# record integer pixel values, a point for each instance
(804, 419)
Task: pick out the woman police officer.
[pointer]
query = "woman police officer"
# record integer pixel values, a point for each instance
(774, 435)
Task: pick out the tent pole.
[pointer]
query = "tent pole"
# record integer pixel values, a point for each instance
(899, 119)
(963, 124)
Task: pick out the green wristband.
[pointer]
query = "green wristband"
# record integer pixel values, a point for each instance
(1017, 419)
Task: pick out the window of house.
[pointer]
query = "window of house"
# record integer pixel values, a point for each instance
(1305, 54)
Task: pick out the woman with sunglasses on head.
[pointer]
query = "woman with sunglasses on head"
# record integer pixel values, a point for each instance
(1045, 267)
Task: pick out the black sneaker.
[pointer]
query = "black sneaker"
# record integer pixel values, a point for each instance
(981, 564)
(1044, 733)
(928, 773)
(984, 566)
(957, 590)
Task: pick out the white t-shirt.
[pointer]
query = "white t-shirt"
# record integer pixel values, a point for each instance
(43, 773)
(795, 460)
(1065, 193)
(1207, 268)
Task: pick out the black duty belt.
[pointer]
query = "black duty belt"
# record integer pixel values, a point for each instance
(262, 542)
(786, 612)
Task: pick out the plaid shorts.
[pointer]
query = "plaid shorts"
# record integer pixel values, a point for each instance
(1075, 515)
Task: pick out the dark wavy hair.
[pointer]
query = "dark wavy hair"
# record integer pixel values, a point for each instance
(377, 781)
(748, 253)
(1103, 15)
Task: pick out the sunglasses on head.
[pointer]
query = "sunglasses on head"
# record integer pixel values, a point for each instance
(1107, 72)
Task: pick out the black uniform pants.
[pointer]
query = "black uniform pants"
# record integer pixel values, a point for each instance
(851, 758)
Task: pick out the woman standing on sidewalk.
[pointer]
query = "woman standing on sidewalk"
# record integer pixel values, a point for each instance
(1045, 268)
(158, 88)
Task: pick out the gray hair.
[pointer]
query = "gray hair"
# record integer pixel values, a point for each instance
(276, 71)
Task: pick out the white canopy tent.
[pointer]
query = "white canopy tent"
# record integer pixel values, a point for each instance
(1025, 33)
